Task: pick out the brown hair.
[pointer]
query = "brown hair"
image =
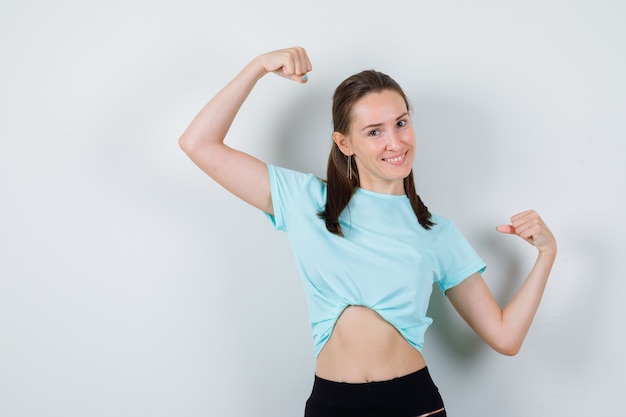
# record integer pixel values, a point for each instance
(340, 184)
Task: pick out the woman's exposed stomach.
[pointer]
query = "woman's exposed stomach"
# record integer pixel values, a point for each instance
(364, 347)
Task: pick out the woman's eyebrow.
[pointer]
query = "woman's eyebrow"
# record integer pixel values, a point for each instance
(370, 126)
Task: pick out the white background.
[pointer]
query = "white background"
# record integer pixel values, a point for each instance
(132, 285)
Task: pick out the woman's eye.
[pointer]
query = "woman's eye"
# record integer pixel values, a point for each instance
(374, 132)
(402, 123)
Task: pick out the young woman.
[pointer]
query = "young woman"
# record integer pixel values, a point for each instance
(366, 246)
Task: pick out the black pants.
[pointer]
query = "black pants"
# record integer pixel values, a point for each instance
(414, 395)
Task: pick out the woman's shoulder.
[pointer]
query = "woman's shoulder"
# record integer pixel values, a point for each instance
(444, 227)
(289, 175)
(441, 222)
(286, 181)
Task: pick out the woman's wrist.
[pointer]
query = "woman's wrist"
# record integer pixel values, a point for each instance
(255, 68)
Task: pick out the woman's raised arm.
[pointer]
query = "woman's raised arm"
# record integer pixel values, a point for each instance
(505, 329)
(203, 141)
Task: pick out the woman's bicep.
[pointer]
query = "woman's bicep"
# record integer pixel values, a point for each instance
(474, 302)
(238, 172)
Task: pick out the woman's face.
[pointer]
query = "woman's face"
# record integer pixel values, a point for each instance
(381, 141)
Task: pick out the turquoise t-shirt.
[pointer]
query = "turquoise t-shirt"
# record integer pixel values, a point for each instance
(386, 260)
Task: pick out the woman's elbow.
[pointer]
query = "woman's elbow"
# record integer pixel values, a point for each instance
(507, 347)
(185, 143)
(509, 351)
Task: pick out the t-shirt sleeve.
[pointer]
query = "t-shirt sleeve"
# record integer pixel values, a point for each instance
(461, 260)
(285, 187)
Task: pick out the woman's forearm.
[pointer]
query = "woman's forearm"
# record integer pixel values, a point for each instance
(519, 313)
(212, 123)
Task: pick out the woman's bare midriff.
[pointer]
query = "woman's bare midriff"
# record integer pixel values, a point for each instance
(364, 347)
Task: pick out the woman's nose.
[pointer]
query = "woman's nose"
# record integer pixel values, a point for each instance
(393, 141)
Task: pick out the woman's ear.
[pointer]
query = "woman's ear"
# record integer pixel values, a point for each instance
(342, 143)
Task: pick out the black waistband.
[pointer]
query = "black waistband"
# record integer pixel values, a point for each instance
(372, 394)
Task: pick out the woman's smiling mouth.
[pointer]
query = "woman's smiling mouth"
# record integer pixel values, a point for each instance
(397, 159)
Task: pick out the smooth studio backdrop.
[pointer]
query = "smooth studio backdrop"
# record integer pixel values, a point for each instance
(132, 285)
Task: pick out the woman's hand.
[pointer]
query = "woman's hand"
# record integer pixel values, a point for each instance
(529, 226)
(291, 63)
